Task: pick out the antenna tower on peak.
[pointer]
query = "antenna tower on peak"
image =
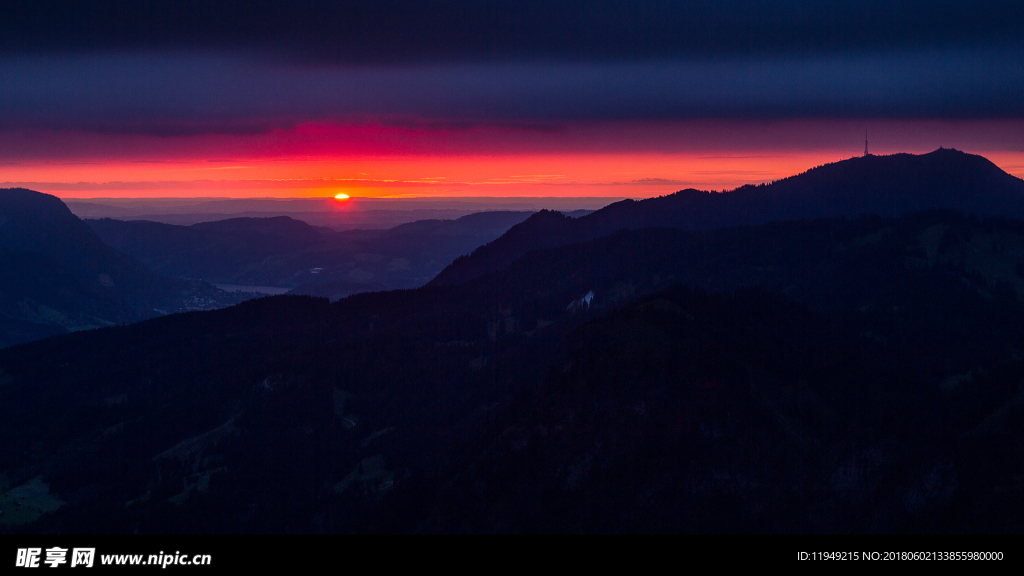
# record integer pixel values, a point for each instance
(866, 153)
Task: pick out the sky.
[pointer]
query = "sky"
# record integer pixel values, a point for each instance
(403, 98)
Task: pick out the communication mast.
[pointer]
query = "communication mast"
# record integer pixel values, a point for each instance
(866, 143)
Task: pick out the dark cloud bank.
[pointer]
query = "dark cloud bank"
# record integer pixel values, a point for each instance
(414, 30)
(171, 68)
(194, 94)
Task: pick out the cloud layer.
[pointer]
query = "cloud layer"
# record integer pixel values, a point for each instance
(193, 94)
(402, 31)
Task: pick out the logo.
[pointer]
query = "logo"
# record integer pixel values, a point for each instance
(56, 556)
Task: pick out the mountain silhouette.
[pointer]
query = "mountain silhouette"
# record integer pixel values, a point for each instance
(885, 185)
(225, 251)
(56, 274)
(288, 253)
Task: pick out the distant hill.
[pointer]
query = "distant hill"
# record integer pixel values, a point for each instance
(359, 213)
(288, 253)
(56, 275)
(884, 185)
(225, 251)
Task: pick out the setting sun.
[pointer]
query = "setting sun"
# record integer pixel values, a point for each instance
(341, 197)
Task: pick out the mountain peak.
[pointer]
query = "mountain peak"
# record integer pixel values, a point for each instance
(31, 204)
(31, 221)
(887, 185)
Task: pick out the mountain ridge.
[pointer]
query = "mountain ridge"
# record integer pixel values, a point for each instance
(288, 253)
(889, 186)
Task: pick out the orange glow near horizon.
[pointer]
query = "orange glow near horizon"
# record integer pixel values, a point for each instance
(597, 175)
(620, 160)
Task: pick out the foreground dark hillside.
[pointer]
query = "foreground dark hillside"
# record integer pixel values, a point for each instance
(868, 383)
(57, 275)
(720, 414)
(884, 185)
